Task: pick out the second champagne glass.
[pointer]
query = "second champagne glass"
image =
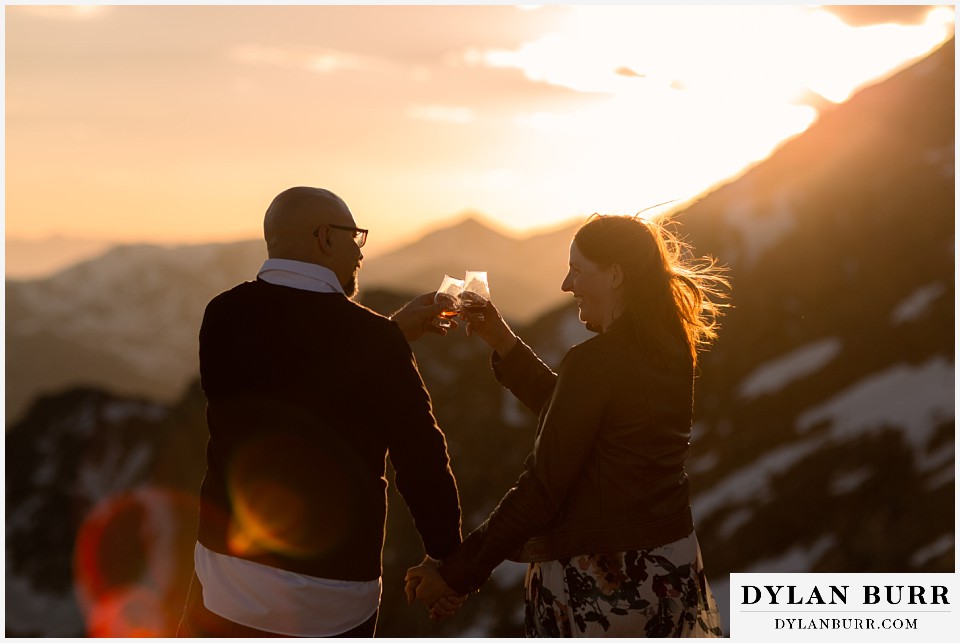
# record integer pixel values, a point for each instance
(476, 293)
(448, 294)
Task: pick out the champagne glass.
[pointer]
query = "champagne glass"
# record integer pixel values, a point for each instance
(476, 293)
(448, 294)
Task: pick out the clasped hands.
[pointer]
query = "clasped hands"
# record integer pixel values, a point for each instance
(425, 584)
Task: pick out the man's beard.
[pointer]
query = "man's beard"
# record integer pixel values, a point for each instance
(352, 286)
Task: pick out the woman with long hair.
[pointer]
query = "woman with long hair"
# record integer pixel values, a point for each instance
(602, 511)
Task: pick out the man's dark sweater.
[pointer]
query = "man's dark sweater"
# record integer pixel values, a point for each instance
(307, 394)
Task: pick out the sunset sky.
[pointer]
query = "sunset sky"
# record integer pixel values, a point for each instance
(179, 124)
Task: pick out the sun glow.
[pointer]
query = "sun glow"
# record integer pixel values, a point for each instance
(617, 149)
(529, 115)
(761, 53)
(878, 50)
(684, 97)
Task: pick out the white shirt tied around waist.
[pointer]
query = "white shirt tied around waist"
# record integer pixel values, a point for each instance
(277, 600)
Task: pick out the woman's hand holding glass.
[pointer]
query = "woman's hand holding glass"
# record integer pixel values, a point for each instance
(476, 294)
(491, 328)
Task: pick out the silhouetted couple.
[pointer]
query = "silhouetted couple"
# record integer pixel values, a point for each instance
(309, 392)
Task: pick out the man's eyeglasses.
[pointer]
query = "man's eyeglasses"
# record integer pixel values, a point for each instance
(359, 234)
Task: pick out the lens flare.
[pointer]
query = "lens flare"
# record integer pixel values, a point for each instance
(130, 612)
(270, 515)
(133, 562)
(289, 496)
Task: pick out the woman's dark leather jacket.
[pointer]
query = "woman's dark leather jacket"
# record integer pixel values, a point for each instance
(607, 470)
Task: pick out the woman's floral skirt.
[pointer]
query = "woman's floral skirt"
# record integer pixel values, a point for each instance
(656, 592)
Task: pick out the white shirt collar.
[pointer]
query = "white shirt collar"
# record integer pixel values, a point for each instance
(300, 275)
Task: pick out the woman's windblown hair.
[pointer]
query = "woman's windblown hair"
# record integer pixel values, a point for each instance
(671, 296)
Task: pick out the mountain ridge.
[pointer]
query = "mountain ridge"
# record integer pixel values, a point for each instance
(467, 220)
(114, 321)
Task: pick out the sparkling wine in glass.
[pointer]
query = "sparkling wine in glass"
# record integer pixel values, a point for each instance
(476, 293)
(448, 294)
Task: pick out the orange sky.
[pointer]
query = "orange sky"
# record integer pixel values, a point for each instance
(180, 123)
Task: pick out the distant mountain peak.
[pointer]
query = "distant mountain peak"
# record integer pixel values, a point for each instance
(468, 226)
(473, 220)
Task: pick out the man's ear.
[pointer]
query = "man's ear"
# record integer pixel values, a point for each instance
(323, 237)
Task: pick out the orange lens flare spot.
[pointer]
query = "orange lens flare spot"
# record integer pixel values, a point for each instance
(133, 612)
(290, 496)
(270, 515)
(133, 561)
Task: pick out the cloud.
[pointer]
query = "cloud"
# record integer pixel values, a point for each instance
(863, 15)
(318, 60)
(441, 113)
(750, 53)
(629, 73)
(584, 63)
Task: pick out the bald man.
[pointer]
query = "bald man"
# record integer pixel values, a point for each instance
(307, 394)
